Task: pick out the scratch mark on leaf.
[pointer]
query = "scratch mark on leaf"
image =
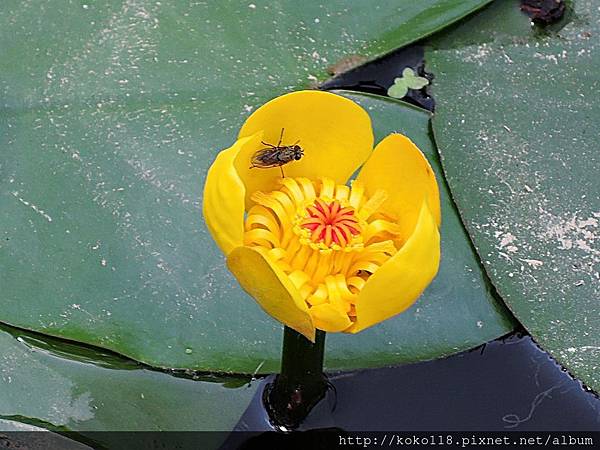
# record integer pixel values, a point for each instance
(32, 206)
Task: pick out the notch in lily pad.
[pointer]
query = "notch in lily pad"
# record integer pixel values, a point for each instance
(409, 80)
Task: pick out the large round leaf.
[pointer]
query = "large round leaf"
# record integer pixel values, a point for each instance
(517, 127)
(111, 114)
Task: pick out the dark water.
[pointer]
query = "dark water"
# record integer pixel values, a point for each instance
(378, 75)
(506, 385)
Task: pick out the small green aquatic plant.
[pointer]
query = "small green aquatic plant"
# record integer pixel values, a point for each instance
(409, 80)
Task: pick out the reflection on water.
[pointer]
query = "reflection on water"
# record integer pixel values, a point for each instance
(67, 387)
(507, 385)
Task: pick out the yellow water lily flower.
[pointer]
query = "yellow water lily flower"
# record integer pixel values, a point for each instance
(315, 250)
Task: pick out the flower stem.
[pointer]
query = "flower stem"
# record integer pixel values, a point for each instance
(301, 383)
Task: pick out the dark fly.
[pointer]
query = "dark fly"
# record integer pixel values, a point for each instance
(276, 155)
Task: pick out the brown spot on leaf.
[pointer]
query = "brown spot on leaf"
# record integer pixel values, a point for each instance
(543, 11)
(345, 64)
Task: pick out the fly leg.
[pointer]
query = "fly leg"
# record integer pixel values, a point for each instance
(282, 174)
(280, 137)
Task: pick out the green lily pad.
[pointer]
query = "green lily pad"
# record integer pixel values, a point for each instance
(65, 387)
(516, 123)
(111, 114)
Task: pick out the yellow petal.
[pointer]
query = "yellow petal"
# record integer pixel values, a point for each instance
(398, 167)
(272, 289)
(223, 201)
(400, 281)
(328, 317)
(334, 132)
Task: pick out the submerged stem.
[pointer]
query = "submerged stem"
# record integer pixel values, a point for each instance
(301, 383)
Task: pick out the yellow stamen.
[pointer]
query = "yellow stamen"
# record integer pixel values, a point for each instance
(329, 239)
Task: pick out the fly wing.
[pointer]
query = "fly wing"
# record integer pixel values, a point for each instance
(266, 157)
